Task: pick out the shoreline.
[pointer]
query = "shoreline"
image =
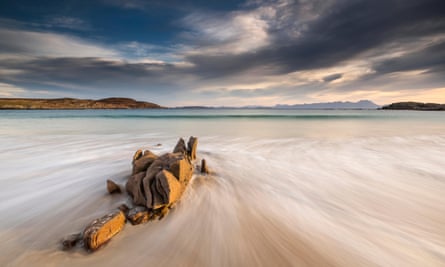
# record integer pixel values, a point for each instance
(74, 104)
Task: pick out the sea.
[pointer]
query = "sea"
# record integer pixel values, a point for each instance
(287, 187)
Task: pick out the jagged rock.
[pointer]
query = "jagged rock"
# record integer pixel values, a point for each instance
(137, 155)
(204, 168)
(101, 230)
(154, 169)
(146, 189)
(181, 168)
(138, 215)
(112, 187)
(192, 145)
(134, 188)
(180, 147)
(144, 161)
(167, 191)
(70, 241)
(156, 186)
(156, 197)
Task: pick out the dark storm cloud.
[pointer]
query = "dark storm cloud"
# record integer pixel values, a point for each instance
(228, 44)
(332, 77)
(89, 71)
(345, 30)
(432, 59)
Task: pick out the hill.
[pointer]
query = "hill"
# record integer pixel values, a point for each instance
(73, 103)
(415, 106)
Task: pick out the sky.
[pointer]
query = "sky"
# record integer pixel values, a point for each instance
(228, 53)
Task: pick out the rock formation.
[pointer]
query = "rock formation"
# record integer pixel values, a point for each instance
(112, 187)
(204, 168)
(101, 230)
(158, 182)
(138, 215)
(192, 145)
(155, 186)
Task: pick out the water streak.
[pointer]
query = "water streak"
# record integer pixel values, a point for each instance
(276, 199)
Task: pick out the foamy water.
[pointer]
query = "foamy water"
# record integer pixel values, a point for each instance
(291, 188)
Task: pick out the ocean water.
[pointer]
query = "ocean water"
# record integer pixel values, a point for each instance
(290, 187)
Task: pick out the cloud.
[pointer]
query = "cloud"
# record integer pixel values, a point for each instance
(283, 51)
(65, 22)
(128, 4)
(35, 44)
(332, 77)
(233, 33)
(430, 57)
(9, 90)
(341, 33)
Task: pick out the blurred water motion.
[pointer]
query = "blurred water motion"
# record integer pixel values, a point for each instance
(354, 192)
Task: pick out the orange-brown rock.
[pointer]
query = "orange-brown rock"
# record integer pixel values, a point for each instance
(138, 215)
(101, 230)
(134, 188)
(204, 168)
(112, 187)
(180, 147)
(144, 161)
(168, 189)
(70, 241)
(137, 155)
(124, 208)
(181, 168)
(192, 145)
(147, 181)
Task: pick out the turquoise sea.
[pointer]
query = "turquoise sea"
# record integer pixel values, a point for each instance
(290, 187)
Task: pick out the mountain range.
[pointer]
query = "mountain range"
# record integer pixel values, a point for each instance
(362, 104)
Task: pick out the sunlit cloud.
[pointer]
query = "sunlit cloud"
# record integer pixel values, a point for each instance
(259, 51)
(35, 44)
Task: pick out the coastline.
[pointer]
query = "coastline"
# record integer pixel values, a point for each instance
(74, 104)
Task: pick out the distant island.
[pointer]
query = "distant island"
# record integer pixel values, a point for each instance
(362, 104)
(415, 106)
(73, 103)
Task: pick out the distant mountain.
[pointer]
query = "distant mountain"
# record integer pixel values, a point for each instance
(415, 106)
(362, 104)
(73, 103)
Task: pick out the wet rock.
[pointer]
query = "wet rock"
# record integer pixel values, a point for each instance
(167, 189)
(192, 145)
(180, 147)
(156, 197)
(70, 241)
(161, 213)
(112, 187)
(181, 168)
(134, 188)
(124, 208)
(137, 155)
(101, 230)
(204, 168)
(144, 161)
(138, 215)
(154, 169)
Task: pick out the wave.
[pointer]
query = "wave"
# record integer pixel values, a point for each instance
(271, 202)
